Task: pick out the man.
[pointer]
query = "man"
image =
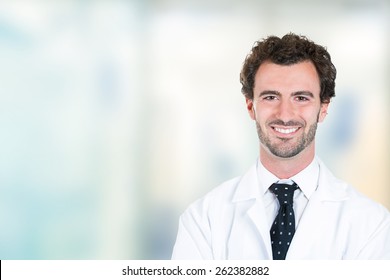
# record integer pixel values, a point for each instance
(288, 205)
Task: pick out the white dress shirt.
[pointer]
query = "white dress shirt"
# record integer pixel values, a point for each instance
(307, 181)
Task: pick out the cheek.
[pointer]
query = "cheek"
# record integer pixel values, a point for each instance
(309, 117)
(260, 116)
(262, 112)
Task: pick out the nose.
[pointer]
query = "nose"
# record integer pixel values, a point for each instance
(285, 111)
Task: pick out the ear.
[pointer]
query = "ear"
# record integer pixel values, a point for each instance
(323, 111)
(250, 107)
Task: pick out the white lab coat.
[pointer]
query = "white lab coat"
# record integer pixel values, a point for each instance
(230, 223)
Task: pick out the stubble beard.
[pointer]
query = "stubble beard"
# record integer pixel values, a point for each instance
(285, 150)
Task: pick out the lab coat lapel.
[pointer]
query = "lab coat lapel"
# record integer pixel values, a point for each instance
(310, 227)
(248, 194)
(257, 214)
(316, 223)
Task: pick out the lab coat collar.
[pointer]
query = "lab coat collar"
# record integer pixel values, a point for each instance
(330, 188)
(248, 187)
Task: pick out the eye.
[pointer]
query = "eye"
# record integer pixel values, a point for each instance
(302, 98)
(270, 97)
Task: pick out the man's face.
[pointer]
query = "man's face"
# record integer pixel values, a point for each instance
(286, 107)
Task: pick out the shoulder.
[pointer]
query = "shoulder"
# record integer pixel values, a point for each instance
(363, 206)
(353, 202)
(241, 188)
(222, 194)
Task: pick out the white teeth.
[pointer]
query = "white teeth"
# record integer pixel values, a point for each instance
(286, 131)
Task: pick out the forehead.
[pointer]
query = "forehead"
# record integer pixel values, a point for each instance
(301, 76)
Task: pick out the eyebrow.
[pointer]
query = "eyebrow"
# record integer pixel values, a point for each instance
(269, 92)
(296, 93)
(303, 92)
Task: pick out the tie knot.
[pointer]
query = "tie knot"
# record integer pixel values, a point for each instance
(284, 192)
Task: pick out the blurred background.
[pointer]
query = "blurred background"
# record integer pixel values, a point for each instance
(115, 115)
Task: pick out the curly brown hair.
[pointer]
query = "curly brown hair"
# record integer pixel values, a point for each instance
(288, 50)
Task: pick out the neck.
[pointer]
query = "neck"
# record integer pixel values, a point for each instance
(285, 168)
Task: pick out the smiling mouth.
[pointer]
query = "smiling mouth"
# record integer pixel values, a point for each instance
(285, 130)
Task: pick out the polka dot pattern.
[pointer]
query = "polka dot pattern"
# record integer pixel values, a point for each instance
(283, 228)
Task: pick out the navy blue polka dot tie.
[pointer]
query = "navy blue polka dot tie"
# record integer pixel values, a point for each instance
(283, 228)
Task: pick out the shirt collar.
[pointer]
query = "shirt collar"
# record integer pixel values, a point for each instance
(307, 179)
